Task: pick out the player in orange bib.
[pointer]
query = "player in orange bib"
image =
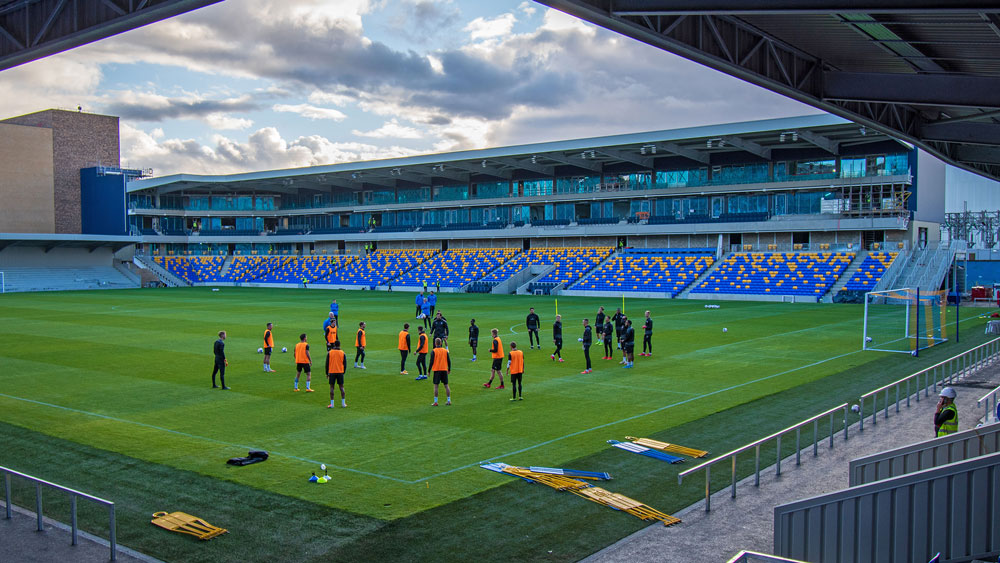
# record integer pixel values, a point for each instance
(303, 363)
(331, 332)
(268, 347)
(515, 368)
(336, 365)
(404, 348)
(496, 352)
(441, 366)
(359, 347)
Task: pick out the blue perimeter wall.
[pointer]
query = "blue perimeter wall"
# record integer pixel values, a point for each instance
(102, 203)
(983, 273)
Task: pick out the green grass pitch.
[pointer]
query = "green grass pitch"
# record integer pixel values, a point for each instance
(127, 373)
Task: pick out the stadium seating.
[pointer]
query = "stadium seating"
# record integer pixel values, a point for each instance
(598, 221)
(195, 269)
(18, 279)
(246, 269)
(550, 222)
(870, 271)
(762, 273)
(457, 267)
(653, 271)
(378, 267)
(310, 268)
(571, 262)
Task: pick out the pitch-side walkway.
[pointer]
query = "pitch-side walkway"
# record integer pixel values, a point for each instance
(747, 522)
(21, 541)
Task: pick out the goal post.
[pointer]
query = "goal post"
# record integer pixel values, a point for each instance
(904, 320)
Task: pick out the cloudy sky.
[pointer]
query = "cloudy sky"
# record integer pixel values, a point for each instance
(261, 84)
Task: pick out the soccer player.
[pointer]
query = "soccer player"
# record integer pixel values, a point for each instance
(421, 354)
(599, 322)
(425, 312)
(336, 365)
(647, 336)
(441, 366)
(331, 332)
(404, 348)
(628, 343)
(586, 340)
(473, 337)
(335, 310)
(419, 302)
(496, 352)
(557, 338)
(440, 329)
(433, 298)
(532, 323)
(515, 369)
(619, 319)
(268, 347)
(303, 363)
(606, 332)
(220, 360)
(359, 347)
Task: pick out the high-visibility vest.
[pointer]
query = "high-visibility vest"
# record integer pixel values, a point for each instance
(402, 340)
(300, 353)
(516, 361)
(422, 344)
(440, 360)
(337, 360)
(949, 426)
(359, 339)
(331, 334)
(498, 354)
(268, 339)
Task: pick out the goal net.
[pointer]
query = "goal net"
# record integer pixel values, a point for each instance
(904, 320)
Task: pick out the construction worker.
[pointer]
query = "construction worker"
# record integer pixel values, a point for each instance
(359, 347)
(404, 348)
(336, 365)
(441, 366)
(496, 352)
(422, 347)
(946, 415)
(303, 363)
(515, 369)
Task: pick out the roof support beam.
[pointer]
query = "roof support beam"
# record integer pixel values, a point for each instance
(977, 153)
(575, 161)
(747, 7)
(749, 146)
(528, 165)
(691, 154)
(922, 89)
(645, 162)
(829, 145)
(976, 133)
(483, 168)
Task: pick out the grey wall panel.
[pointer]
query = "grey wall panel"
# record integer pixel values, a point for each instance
(932, 453)
(953, 509)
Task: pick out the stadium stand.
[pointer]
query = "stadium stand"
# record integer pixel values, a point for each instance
(550, 222)
(457, 267)
(659, 271)
(378, 267)
(195, 269)
(870, 271)
(298, 268)
(59, 279)
(761, 273)
(571, 262)
(598, 221)
(249, 268)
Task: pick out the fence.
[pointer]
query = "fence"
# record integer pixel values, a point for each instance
(925, 455)
(754, 557)
(942, 372)
(73, 495)
(995, 411)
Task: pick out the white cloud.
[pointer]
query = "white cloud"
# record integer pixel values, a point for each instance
(390, 130)
(221, 121)
(527, 8)
(333, 98)
(555, 20)
(482, 28)
(311, 112)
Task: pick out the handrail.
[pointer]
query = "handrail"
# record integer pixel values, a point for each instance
(756, 446)
(73, 495)
(965, 362)
(951, 369)
(991, 395)
(747, 556)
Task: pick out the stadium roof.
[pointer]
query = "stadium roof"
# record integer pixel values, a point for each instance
(815, 135)
(926, 72)
(32, 29)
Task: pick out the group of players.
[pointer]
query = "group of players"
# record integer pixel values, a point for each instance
(432, 355)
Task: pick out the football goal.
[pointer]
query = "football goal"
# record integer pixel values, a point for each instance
(904, 320)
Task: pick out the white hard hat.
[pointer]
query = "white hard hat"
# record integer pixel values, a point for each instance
(948, 392)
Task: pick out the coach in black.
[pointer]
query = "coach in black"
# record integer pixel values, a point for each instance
(220, 360)
(587, 340)
(647, 336)
(557, 338)
(532, 323)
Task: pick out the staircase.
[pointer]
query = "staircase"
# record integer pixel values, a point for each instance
(591, 271)
(686, 293)
(924, 268)
(845, 277)
(224, 270)
(168, 279)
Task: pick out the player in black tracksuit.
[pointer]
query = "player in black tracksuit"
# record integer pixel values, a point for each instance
(587, 338)
(557, 338)
(606, 332)
(532, 323)
(619, 319)
(473, 337)
(647, 336)
(599, 322)
(440, 329)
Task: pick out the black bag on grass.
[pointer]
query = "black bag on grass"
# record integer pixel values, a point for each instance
(253, 456)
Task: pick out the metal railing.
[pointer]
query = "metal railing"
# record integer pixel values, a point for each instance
(73, 495)
(944, 372)
(754, 557)
(941, 373)
(991, 396)
(797, 428)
